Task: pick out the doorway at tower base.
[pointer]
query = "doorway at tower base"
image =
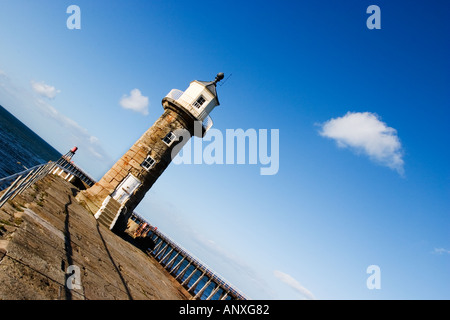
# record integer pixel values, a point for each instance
(110, 213)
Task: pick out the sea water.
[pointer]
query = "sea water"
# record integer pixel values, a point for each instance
(20, 147)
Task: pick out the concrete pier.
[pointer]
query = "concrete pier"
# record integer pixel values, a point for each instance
(64, 179)
(46, 237)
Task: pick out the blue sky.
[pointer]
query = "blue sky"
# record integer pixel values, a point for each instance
(362, 118)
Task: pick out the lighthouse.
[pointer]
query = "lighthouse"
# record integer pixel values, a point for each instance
(113, 198)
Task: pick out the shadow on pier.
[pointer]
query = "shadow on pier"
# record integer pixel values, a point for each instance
(69, 250)
(127, 290)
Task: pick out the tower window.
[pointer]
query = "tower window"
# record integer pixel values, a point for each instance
(148, 163)
(169, 138)
(201, 100)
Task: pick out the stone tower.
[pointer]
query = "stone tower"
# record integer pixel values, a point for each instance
(116, 195)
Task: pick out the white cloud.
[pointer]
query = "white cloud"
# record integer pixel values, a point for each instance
(57, 129)
(294, 284)
(44, 90)
(4, 79)
(441, 251)
(135, 101)
(365, 132)
(82, 135)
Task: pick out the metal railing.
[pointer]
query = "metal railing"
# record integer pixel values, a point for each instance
(20, 181)
(207, 124)
(203, 267)
(175, 94)
(220, 280)
(73, 169)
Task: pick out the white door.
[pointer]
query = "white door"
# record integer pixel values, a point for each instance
(126, 188)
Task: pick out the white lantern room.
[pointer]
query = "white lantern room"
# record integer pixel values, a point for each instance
(199, 99)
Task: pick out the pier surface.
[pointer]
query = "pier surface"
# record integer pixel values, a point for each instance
(45, 233)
